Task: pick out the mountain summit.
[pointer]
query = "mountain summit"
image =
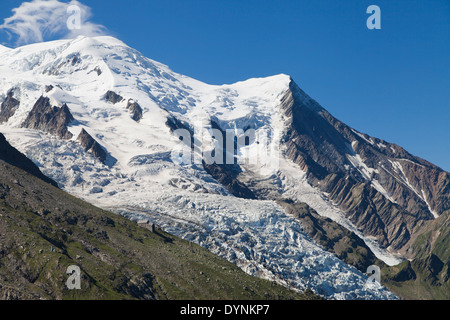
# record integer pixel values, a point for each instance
(105, 122)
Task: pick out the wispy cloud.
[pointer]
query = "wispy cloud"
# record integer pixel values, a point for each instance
(41, 20)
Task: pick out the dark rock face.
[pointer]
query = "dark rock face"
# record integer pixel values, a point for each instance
(98, 70)
(227, 175)
(49, 119)
(8, 107)
(135, 110)
(91, 145)
(75, 59)
(351, 167)
(13, 157)
(174, 124)
(112, 97)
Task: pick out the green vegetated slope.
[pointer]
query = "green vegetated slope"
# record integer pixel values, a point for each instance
(427, 275)
(43, 231)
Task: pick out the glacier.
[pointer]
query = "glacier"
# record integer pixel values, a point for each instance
(144, 182)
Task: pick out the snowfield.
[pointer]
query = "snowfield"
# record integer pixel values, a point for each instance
(140, 180)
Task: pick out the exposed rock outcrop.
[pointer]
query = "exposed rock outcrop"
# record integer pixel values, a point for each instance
(98, 71)
(112, 97)
(135, 110)
(91, 145)
(49, 119)
(8, 107)
(227, 173)
(227, 176)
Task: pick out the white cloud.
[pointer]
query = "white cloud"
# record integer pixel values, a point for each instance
(40, 20)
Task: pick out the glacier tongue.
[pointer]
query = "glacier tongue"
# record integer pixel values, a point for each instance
(260, 238)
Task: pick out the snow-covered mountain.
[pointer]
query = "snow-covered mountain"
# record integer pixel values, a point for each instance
(105, 122)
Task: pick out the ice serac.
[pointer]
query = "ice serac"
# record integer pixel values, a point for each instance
(384, 190)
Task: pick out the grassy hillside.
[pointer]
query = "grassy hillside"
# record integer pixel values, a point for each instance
(427, 275)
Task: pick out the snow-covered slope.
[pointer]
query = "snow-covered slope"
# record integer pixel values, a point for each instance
(140, 178)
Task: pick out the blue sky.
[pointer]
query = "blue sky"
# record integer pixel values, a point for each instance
(392, 83)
